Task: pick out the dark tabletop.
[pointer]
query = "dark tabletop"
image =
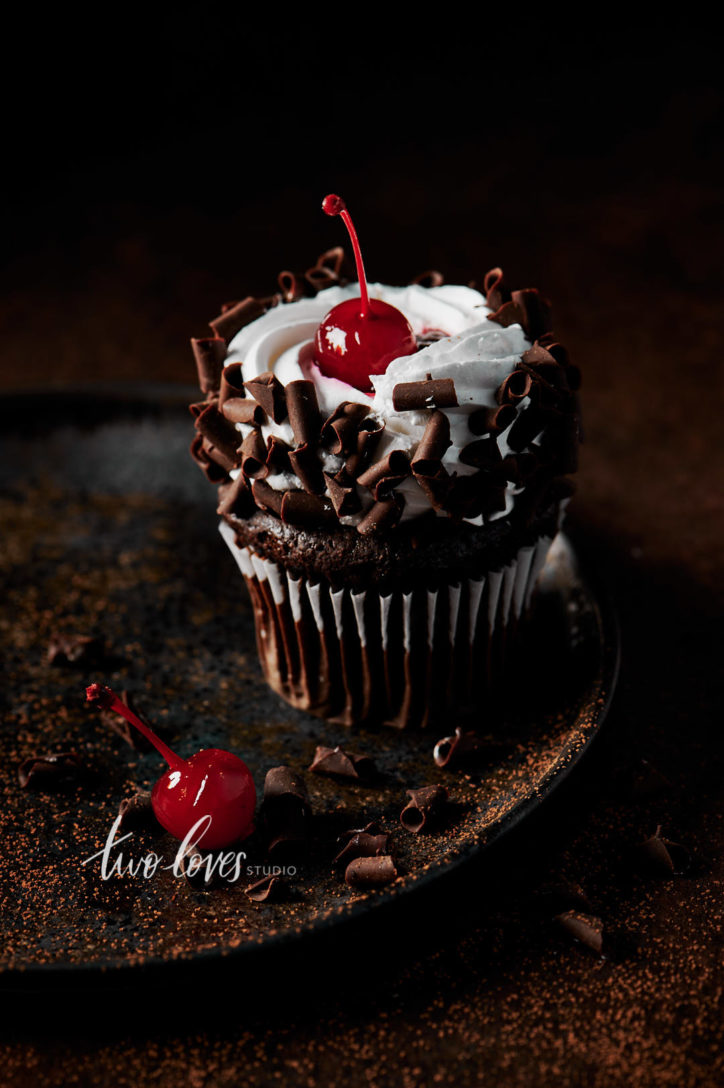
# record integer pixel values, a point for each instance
(142, 197)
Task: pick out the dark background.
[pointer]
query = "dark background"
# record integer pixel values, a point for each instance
(159, 165)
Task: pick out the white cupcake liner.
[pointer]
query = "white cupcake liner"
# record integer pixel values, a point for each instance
(406, 658)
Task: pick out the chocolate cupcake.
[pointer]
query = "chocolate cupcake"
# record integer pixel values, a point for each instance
(391, 528)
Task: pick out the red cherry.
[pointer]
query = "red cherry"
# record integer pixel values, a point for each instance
(212, 783)
(359, 337)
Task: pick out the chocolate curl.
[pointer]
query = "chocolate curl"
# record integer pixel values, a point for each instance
(270, 889)
(235, 498)
(303, 412)
(337, 762)
(433, 444)
(662, 856)
(381, 477)
(514, 387)
(237, 316)
(328, 269)
(305, 511)
(266, 497)
(492, 420)
(253, 456)
(136, 811)
(431, 278)
(362, 845)
(586, 929)
(306, 465)
(269, 392)
(209, 354)
(277, 454)
(214, 472)
(456, 749)
(291, 286)
(285, 810)
(340, 430)
(343, 493)
(369, 434)
(382, 516)
(520, 467)
(526, 308)
(68, 649)
(435, 482)
(220, 434)
(485, 453)
(244, 411)
(528, 425)
(496, 291)
(50, 771)
(424, 809)
(232, 384)
(198, 407)
(437, 393)
(370, 872)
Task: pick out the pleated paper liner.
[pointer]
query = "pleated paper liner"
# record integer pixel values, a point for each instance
(408, 659)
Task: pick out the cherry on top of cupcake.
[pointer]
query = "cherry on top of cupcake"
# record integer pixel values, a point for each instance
(360, 336)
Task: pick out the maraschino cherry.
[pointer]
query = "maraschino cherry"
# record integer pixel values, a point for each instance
(211, 783)
(360, 336)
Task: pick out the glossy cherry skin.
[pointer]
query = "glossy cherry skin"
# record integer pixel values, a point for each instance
(351, 346)
(212, 782)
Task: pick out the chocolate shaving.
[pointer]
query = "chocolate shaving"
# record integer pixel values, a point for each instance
(236, 317)
(382, 476)
(270, 889)
(306, 465)
(433, 444)
(236, 498)
(133, 738)
(431, 278)
(209, 354)
(292, 287)
(456, 749)
(372, 872)
(343, 493)
(247, 411)
(434, 481)
(340, 430)
(221, 436)
(136, 811)
(232, 385)
(382, 516)
(584, 928)
(71, 649)
(529, 423)
(369, 434)
(514, 387)
(328, 269)
(662, 856)
(496, 291)
(285, 810)
(304, 510)
(526, 308)
(338, 762)
(214, 472)
(303, 412)
(253, 456)
(437, 393)
(492, 420)
(49, 771)
(266, 497)
(425, 808)
(362, 845)
(372, 828)
(277, 455)
(270, 394)
(484, 453)
(557, 898)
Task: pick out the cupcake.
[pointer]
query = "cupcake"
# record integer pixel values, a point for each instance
(392, 465)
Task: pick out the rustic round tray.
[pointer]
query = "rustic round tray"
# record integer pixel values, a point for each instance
(110, 531)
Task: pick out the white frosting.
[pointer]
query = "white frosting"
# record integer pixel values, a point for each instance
(475, 353)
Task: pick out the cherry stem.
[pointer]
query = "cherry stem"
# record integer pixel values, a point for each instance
(334, 205)
(106, 699)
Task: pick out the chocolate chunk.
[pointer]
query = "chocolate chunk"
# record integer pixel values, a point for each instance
(456, 749)
(269, 392)
(220, 433)
(266, 497)
(425, 808)
(209, 354)
(305, 511)
(362, 845)
(133, 738)
(285, 811)
(253, 453)
(72, 649)
(49, 771)
(438, 393)
(433, 444)
(372, 872)
(382, 516)
(303, 412)
(136, 811)
(236, 317)
(662, 856)
(270, 889)
(336, 761)
(343, 493)
(584, 928)
(236, 498)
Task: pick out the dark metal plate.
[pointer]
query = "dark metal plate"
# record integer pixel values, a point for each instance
(109, 529)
